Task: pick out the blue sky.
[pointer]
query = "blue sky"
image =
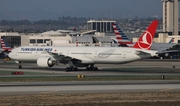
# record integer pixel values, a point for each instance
(104, 7)
(78, 4)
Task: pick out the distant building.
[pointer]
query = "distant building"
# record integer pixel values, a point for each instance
(100, 26)
(171, 16)
(12, 39)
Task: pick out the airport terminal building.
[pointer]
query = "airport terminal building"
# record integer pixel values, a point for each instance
(95, 35)
(100, 26)
(98, 33)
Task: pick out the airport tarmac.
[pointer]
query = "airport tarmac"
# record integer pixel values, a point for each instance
(75, 92)
(88, 87)
(138, 68)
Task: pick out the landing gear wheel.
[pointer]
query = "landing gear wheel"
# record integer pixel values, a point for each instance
(71, 69)
(75, 69)
(87, 68)
(95, 68)
(19, 66)
(91, 68)
(67, 68)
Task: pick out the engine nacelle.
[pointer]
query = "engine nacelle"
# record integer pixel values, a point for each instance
(45, 62)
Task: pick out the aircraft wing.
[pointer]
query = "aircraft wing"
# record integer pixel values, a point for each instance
(59, 55)
(68, 57)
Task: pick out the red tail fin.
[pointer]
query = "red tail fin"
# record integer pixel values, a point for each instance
(74, 29)
(146, 39)
(76, 41)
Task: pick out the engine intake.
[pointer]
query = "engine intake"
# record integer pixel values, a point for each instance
(45, 62)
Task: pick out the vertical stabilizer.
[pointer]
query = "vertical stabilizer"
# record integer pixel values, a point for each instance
(172, 40)
(120, 36)
(146, 39)
(5, 46)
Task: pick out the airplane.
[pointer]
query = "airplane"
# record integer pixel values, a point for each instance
(74, 29)
(120, 36)
(74, 32)
(70, 32)
(172, 40)
(5, 49)
(48, 56)
(123, 40)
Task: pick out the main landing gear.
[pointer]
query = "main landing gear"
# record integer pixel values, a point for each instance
(92, 68)
(74, 68)
(19, 66)
(71, 68)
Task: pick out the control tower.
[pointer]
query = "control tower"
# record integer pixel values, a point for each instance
(170, 16)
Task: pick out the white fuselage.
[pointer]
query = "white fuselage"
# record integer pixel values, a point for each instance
(87, 55)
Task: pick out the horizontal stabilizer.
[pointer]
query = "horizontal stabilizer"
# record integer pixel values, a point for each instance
(168, 51)
(138, 52)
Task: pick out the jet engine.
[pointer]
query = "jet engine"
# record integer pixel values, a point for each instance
(45, 62)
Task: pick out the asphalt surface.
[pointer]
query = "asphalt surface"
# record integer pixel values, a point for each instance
(88, 87)
(145, 67)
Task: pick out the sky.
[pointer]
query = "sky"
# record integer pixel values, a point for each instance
(96, 8)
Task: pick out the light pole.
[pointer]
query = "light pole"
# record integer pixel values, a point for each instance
(49, 34)
(6, 29)
(23, 27)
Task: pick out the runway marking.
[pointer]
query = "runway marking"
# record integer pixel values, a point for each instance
(164, 90)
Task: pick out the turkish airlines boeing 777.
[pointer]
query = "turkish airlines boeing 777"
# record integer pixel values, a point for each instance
(87, 56)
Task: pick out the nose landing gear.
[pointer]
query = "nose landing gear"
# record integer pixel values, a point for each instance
(19, 64)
